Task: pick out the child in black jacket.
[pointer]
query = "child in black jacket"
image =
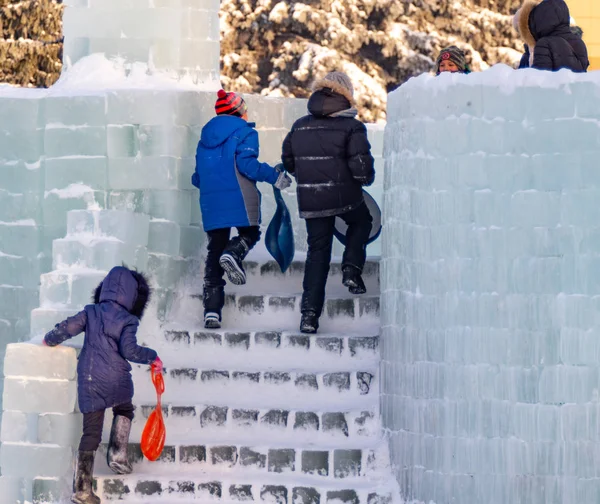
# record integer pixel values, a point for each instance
(329, 154)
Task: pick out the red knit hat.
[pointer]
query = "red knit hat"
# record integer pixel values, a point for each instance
(230, 104)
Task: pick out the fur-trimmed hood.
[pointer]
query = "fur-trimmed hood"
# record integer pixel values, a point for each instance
(521, 21)
(129, 288)
(335, 87)
(537, 19)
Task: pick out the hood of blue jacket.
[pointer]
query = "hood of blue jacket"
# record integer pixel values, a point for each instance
(219, 129)
(121, 287)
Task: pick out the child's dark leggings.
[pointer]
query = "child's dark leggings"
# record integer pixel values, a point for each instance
(93, 423)
(218, 239)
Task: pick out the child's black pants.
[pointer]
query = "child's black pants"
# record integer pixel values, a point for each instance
(218, 239)
(320, 242)
(93, 423)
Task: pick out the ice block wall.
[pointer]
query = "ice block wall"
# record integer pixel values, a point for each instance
(180, 37)
(41, 424)
(491, 287)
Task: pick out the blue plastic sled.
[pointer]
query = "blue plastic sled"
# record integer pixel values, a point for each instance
(341, 227)
(279, 238)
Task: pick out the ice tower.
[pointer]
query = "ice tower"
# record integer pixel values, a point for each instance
(96, 171)
(490, 288)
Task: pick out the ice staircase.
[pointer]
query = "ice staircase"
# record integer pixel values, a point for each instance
(259, 412)
(255, 411)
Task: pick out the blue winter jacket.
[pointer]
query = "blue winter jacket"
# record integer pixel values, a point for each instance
(110, 325)
(227, 169)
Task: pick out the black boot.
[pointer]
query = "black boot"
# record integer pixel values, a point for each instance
(352, 279)
(116, 456)
(212, 320)
(309, 323)
(214, 300)
(231, 260)
(82, 481)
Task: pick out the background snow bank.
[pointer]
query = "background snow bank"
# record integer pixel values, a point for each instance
(490, 287)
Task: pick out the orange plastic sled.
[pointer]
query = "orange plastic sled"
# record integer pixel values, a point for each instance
(154, 434)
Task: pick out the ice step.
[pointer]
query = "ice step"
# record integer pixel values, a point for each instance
(99, 252)
(271, 311)
(266, 277)
(279, 389)
(333, 351)
(223, 425)
(260, 460)
(72, 287)
(128, 227)
(233, 487)
(44, 319)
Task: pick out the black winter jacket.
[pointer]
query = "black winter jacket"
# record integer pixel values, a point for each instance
(545, 28)
(329, 156)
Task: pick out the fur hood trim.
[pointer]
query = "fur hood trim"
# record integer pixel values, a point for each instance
(143, 294)
(335, 87)
(521, 22)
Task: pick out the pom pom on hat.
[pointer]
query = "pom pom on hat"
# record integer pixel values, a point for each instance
(230, 104)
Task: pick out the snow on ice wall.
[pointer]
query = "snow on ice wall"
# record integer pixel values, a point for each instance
(491, 287)
(175, 36)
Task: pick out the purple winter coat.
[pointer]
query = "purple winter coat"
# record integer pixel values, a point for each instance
(110, 325)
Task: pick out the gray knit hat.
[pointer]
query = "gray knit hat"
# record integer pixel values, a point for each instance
(454, 54)
(339, 83)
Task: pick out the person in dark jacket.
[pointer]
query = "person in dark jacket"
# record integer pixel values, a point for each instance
(103, 371)
(227, 170)
(550, 42)
(329, 154)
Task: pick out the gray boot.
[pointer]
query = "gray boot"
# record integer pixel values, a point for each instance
(116, 456)
(82, 481)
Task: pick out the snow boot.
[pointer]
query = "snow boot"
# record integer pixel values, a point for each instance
(309, 323)
(82, 482)
(231, 260)
(352, 279)
(212, 320)
(214, 300)
(116, 456)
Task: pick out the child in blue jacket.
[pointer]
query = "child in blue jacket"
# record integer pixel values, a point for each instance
(227, 170)
(103, 371)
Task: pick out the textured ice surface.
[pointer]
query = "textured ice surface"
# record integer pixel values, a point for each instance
(490, 287)
(39, 362)
(39, 395)
(170, 39)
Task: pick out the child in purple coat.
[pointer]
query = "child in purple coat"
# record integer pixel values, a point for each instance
(104, 373)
